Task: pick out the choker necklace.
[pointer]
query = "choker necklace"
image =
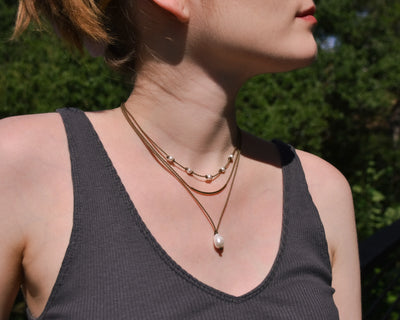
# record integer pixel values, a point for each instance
(160, 157)
(190, 172)
(172, 160)
(155, 151)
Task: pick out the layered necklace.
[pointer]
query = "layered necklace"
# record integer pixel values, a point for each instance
(172, 165)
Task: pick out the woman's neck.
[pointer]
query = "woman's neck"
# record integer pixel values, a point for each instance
(188, 113)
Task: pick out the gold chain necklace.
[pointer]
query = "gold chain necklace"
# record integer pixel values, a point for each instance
(218, 239)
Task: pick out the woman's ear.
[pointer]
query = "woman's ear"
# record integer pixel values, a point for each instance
(179, 8)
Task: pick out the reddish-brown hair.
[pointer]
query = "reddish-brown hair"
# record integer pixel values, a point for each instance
(77, 20)
(72, 19)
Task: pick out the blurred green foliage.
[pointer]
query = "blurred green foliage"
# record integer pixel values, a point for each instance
(345, 107)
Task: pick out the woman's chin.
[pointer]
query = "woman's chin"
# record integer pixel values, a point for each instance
(288, 64)
(305, 61)
(301, 59)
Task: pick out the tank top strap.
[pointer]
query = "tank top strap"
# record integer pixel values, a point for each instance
(86, 150)
(303, 232)
(96, 185)
(293, 172)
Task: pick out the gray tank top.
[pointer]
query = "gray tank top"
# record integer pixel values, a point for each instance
(115, 269)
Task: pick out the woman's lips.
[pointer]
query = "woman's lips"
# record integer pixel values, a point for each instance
(308, 15)
(309, 18)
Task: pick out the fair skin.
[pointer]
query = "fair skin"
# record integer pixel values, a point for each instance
(185, 99)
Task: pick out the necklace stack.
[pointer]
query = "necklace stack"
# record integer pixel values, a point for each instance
(170, 163)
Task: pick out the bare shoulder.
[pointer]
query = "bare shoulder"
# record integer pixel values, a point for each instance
(32, 148)
(29, 146)
(323, 179)
(22, 134)
(30, 141)
(321, 173)
(331, 194)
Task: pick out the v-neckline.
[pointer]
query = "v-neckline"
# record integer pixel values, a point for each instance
(164, 255)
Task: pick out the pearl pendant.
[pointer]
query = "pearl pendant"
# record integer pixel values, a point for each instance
(218, 241)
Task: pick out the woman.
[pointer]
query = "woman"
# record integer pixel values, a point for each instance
(163, 208)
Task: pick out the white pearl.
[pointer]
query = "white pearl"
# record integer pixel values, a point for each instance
(222, 170)
(189, 171)
(208, 176)
(218, 241)
(170, 158)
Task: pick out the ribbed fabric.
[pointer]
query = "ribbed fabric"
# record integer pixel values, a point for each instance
(115, 269)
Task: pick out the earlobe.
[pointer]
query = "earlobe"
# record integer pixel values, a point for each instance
(179, 8)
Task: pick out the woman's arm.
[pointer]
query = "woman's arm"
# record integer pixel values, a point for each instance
(332, 196)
